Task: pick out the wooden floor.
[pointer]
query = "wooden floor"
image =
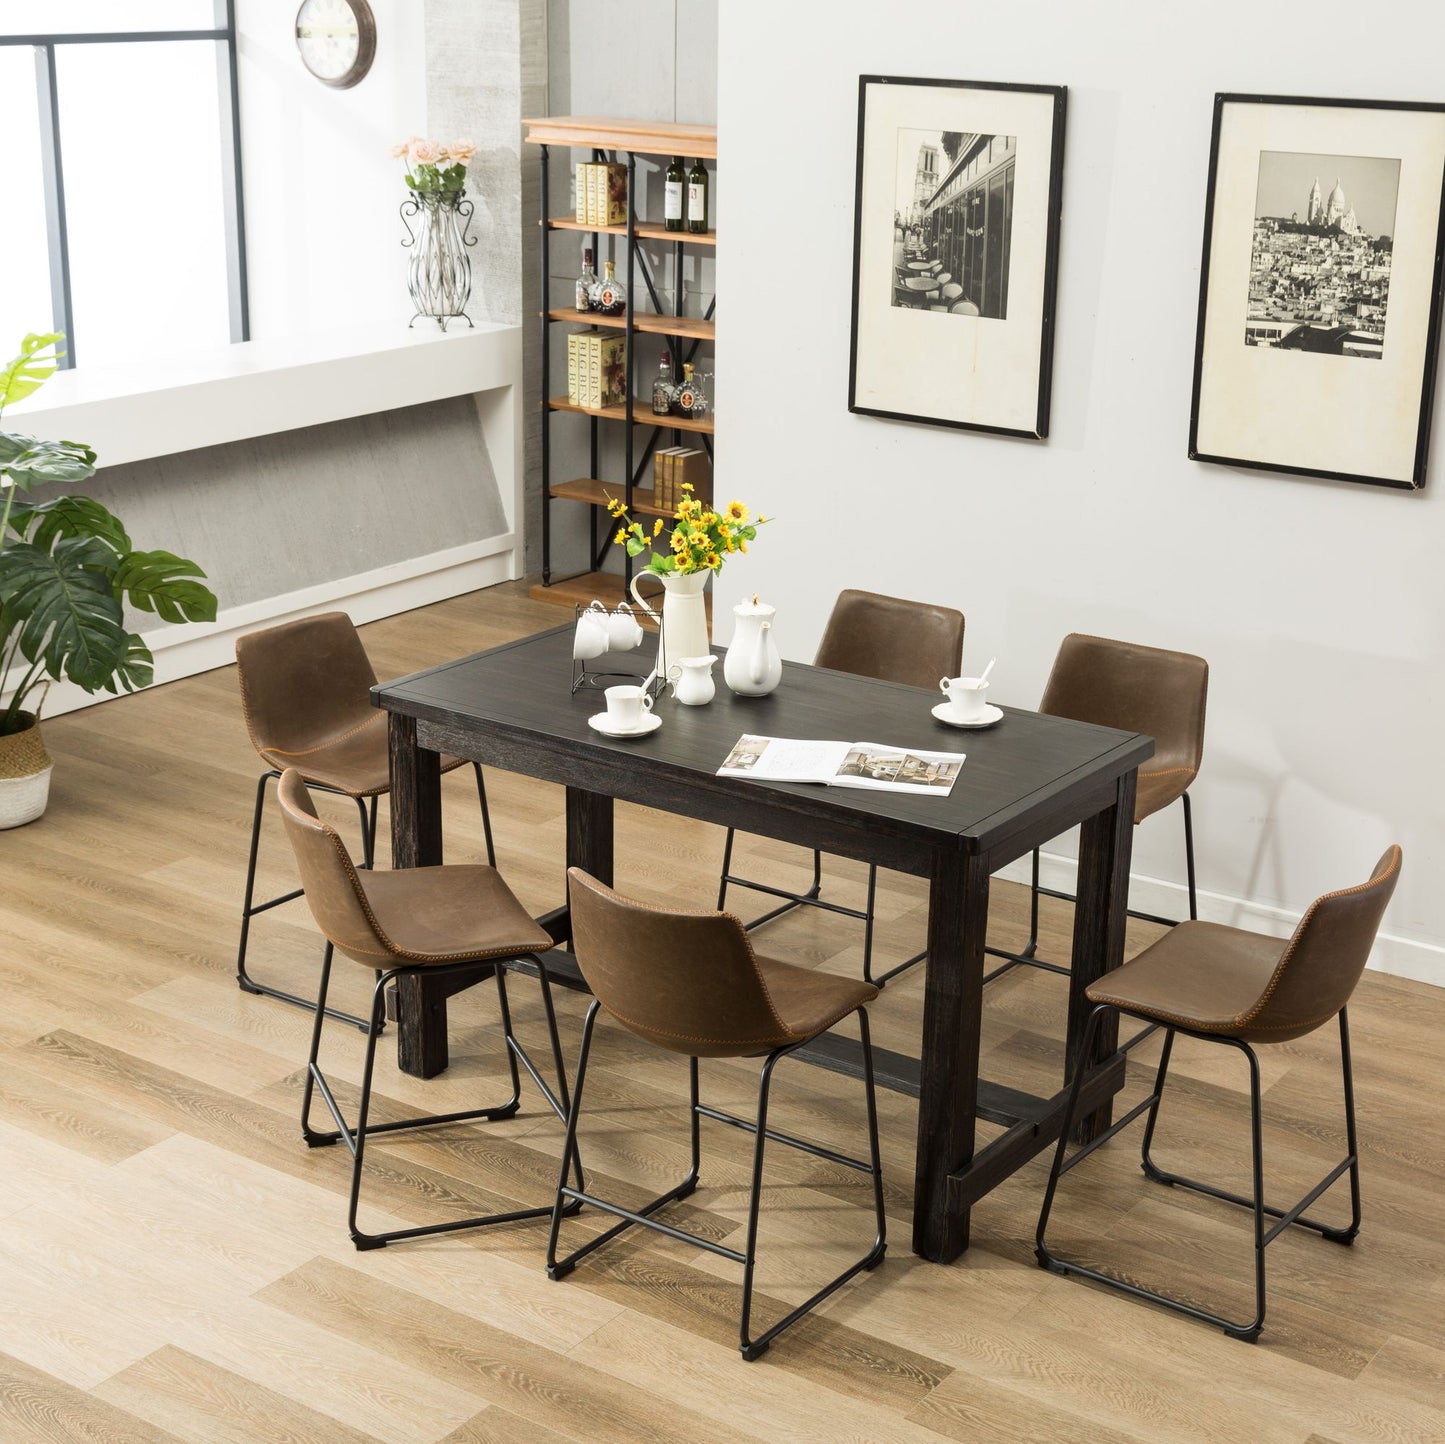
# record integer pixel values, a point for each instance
(174, 1263)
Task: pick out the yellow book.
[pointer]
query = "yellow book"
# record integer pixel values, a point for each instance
(579, 182)
(612, 370)
(574, 391)
(613, 195)
(594, 208)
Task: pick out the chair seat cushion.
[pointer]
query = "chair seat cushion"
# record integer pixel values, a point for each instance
(447, 914)
(809, 1002)
(355, 761)
(1201, 976)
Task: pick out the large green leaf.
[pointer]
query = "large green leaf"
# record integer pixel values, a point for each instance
(30, 463)
(30, 369)
(165, 584)
(65, 516)
(136, 669)
(63, 602)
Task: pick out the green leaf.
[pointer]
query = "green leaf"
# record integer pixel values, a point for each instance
(30, 463)
(67, 516)
(29, 370)
(136, 668)
(63, 603)
(166, 584)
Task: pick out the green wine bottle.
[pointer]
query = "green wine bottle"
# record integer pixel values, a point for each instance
(676, 181)
(697, 198)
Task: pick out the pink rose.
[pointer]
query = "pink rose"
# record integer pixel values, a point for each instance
(460, 152)
(425, 152)
(398, 152)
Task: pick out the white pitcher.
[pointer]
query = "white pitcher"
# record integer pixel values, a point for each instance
(683, 623)
(753, 667)
(692, 682)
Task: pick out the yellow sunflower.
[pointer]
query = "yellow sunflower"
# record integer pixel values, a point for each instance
(657, 527)
(737, 513)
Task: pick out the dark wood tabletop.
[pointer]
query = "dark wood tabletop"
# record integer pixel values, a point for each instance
(1025, 780)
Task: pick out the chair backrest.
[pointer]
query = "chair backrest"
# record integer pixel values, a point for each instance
(333, 890)
(1134, 688)
(895, 640)
(304, 682)
(686, 981)
(1319, 969)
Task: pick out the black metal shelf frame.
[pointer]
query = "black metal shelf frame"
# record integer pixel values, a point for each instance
(634, 467)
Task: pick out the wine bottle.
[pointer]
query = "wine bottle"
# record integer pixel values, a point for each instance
(689, 399)
(662, 387)
(611, 295)
(586, 282)
(672, 205)
(697, 198)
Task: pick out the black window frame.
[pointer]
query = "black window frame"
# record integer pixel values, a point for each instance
(53, 168)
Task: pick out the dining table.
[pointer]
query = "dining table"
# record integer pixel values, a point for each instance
(1025, 780)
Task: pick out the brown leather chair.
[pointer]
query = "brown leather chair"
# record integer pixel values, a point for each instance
(306, 695)
(894, 640)
(1226, 985)
(437, 920)
(1136, 689)
(690, 983)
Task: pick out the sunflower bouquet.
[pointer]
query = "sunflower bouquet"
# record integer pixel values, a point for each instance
(701, 538)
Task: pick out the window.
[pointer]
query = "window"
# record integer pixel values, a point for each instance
(125, 216)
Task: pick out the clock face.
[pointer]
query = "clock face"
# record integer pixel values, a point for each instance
(336, 40)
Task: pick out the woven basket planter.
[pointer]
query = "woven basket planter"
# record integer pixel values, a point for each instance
(24, 774)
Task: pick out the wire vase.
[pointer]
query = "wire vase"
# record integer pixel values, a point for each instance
(439, 274)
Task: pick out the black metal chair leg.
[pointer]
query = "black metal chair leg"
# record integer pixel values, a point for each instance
(722, 887)
(1189, 857)
(755, 1348)
(486, 814)
(355, 1136)
(250, 908)
(1249, 1330)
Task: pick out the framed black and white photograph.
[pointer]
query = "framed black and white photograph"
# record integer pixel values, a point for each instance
(956, 252)
(1319, 302)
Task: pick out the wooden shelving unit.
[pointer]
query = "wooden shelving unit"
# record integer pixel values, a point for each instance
(605, 138)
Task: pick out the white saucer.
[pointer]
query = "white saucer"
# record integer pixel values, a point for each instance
(991, 715)
(650, 723)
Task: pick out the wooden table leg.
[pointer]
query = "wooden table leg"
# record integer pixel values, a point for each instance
(1105, 844)
(948, 1083)
(589, 833)
(416, 841)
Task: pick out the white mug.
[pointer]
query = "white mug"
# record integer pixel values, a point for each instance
(626, 706)
(592, 629)
(966, 699)
(623, 630)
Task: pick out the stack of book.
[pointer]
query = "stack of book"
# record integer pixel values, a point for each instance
(596, 369)
(602, 195)
(676, 465)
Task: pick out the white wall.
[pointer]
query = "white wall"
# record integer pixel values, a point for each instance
(1318, 604)
(323, 237)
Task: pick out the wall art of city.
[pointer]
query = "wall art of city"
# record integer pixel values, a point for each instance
(1319, 275)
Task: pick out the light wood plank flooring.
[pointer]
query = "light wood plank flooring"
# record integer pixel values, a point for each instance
(174, 1263)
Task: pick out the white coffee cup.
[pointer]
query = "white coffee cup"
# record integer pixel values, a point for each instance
(626, 707)
(967, 697)
(591, 638)
(623, 629)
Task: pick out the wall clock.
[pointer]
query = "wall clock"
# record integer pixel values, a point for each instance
(336, 40)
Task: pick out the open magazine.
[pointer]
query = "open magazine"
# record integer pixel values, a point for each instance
(870, 765)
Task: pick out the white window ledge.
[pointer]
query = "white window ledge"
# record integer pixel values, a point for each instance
(258, 388)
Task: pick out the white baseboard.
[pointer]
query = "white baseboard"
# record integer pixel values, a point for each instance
(184, 651)
(1400, 957)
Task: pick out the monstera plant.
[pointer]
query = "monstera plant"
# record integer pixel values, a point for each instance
(68, 566)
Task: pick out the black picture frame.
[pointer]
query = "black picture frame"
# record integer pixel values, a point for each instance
(974, 351)
(1318, 356)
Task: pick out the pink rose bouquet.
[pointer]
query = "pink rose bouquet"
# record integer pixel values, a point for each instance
(431, 166)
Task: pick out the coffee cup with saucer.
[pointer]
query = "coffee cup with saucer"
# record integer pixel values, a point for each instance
(629, 713)
(966, 703)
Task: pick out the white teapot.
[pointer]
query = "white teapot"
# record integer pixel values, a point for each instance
(753, 667)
